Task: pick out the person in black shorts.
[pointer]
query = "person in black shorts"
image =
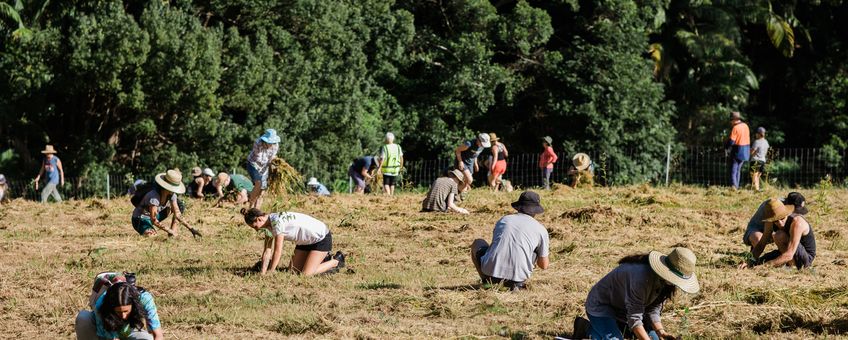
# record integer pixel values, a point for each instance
(793, 235)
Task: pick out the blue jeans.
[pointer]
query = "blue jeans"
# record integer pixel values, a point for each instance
(256, 176)
(546, 177)
(736, 172)
(604, 328)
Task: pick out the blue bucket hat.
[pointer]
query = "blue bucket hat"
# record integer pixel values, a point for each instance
(270, 136)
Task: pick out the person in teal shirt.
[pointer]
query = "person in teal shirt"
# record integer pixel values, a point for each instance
(122, 312)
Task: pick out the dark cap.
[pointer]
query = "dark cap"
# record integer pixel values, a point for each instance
(528, 203)
(761, 130)
(797, 200)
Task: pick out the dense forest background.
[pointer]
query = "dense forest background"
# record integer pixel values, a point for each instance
(138, 86)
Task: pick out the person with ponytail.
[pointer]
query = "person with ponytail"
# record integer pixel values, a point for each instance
(313, 242)
(122, 312)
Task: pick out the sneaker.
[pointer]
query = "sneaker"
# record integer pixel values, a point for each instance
(341, 258)
(327, 258)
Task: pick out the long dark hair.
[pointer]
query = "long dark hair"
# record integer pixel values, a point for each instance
(250, 215)
(122, 294)
(669, 290)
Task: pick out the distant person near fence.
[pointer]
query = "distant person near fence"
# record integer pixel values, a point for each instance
(739, 147)
(51, 166)
(759, 151)
(547, 160)
(391, 162)
(361, 172)
(497, 163)
(581, 171)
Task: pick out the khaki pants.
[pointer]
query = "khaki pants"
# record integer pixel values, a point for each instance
(50, 189)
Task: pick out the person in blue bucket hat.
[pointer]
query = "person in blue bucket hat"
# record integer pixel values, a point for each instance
(265, 149)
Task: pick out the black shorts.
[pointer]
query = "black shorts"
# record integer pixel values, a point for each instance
(389, 180)
(324, 245)
(758, 166)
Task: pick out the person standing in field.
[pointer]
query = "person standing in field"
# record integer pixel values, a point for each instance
(52, 167)
(547, 160)
(739, 147)
(582, 170)
(792, 234)
(4, 190)
(519, 243)
(443, 193)
(757, 229)
(759, 151)
(264, 150)
(362, 172)
(629, 300)
(466, 158)
(391, 162)
(120, 310)
(312, 238)
(497, 166)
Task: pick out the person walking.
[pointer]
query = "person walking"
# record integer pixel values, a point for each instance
(264, 150)
(738, 147)
(759, 151)
(466, 158)
(52, 167)
(547, 160)
(391, 162)
(497, 166)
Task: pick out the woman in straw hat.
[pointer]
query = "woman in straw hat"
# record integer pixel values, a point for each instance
(264, 150)
(793, 236)
(497, 165)
(160, 202)
(582, 170)
(52, 167)
(633, 294)
(443, 193)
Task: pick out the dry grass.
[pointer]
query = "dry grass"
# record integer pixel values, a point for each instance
(411, 273)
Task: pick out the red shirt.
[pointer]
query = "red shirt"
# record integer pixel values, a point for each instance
(548, 158)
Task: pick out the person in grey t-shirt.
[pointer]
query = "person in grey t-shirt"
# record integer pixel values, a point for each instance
(518, 242)
(759, 151)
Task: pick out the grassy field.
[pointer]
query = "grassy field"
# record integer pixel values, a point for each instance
(410, 275)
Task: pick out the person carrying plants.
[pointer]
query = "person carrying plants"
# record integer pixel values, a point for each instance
(239, 185)
(546, 161)
(362, 172)
(312, 238)
(391, 162)
(264, 150)
(443, 193)
(466, 158)
(519, 243)
(628, 301)
(792, 234)
(759, 151)
(120, 310)
(497, 166)
(581, 171)
(52, 167)
(155, 203)
(316, 188)
(738, 147)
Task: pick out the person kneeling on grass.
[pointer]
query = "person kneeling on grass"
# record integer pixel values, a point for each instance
(238, 185)
(638, 288)
(154, 203)
(518, 242)
(120, 310)
(756, 230)
(443, 193)
(792, 234)
(312, 238)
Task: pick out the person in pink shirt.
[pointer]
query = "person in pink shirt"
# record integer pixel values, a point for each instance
(547, 160)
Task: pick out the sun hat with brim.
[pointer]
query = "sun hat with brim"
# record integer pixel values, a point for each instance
(777, 210)
(195, 171)
(313, 182)
(172, 181)
(581, 161)
(798, 201)
(270, 136)
(678, 268)
(48, 149)
(548, 140)
(528, 203)
(458, 174)
(484, 140)
(493, 137)
(208, 172)
(735, 115)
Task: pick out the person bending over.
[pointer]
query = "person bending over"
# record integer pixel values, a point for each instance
(120, 310)
(443, 193)
(791, 233)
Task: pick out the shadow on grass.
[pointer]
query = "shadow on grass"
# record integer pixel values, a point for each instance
(789, 322)
(378, 285)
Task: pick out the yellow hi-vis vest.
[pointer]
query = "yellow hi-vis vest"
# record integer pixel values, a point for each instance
(391, 160)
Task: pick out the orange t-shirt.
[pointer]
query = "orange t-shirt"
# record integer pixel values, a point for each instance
(740, 135)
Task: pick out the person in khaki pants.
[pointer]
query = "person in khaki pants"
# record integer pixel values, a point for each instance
(52, 167)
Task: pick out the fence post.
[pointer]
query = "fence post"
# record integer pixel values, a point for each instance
(108, 193)
(667, 162)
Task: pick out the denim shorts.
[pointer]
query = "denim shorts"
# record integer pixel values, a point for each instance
(255, 176)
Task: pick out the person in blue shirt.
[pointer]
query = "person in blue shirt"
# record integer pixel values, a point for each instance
(52, 168)
(122, 312)
(362, 172)
(317, 188)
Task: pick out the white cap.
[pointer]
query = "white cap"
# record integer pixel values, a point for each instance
(390, 137)
(208, 172)
(484, 139)
(313, 182)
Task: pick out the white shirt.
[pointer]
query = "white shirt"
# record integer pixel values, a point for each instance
(299, 228)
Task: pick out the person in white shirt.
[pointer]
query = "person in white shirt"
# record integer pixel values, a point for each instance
(312, 238)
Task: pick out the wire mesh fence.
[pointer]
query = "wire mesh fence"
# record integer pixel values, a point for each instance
(703, 166)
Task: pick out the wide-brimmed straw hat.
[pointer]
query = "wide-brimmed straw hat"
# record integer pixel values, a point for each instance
(458, 174)
(581, 161)
(678, 268)
(798, 201)
(195, 171)
(270, 136)
(493, 137)
(777, 210)
(313, 182)
(48, 149)
(171, 180)
(548, 140)
(529, 203)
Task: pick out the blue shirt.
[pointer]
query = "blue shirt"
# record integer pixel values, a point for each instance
(51, 170)
(469, 155)
(363, 163)
(146, 303)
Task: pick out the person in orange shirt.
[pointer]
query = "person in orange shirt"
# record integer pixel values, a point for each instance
(738, 146)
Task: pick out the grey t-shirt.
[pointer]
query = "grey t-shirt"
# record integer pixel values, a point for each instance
(627, 294)
(517, 241)
(152, 198)
(760, 148)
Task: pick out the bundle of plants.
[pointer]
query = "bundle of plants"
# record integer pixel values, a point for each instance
(376, 183)
(284, 179)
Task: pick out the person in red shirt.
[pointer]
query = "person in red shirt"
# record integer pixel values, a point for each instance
(547, 160)
(738, 146)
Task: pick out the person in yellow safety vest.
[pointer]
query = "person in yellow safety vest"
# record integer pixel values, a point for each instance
(391, 161)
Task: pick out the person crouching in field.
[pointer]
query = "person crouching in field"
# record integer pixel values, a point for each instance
(153, 204)
(633, 294)
(518, 243)
(264, 151)
(754, 233)
(791, 233)
(312, 238)
(443, 193)
(235, 184)
(120, 310)
(581, 171)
